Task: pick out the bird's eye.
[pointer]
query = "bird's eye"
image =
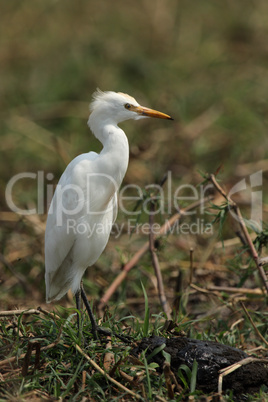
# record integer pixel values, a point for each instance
(127, 105)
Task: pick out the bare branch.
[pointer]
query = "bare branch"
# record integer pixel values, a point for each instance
(106, 375)
(160, 285)
(252, 249)
(253, 324)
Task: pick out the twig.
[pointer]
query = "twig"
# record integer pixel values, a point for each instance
(228, 370)
(253, 252)
(253, 324)
(127, 377)
(191, 265)
(168, 377)
(263, 261)
(13, 359)
(48, 313)
(109, 360)
(160, 285)
(257, 349)
(19, 312)
(84, 375)
(106, 375)
(10, 360)
(234, 324)
(26, 361)
(236, 290)
(164, 230)
(202, 290)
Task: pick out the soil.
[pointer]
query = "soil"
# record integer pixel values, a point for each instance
(211, 357)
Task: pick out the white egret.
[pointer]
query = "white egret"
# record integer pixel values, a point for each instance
(84, 205)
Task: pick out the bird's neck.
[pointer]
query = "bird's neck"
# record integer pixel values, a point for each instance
(115, 153)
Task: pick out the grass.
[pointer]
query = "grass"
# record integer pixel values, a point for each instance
(50, 360)
(206, 65)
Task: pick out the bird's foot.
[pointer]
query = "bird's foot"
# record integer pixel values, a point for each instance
(107, 332)
(123, 338)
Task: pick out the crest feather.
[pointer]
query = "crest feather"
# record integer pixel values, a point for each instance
(100, 96)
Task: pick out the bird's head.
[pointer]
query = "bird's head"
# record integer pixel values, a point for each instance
(118, 107)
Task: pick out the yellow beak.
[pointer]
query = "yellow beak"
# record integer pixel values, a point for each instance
(145, 111)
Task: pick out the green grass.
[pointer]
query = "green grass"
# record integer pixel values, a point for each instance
(55, 368)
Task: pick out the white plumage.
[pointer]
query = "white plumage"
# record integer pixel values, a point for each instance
(84, 205)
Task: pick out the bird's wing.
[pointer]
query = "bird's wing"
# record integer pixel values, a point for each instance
(59, 236)
(83, 196)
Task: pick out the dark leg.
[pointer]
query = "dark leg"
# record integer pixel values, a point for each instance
(78, 306)
(95, 327)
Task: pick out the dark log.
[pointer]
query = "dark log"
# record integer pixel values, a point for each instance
(211, 357)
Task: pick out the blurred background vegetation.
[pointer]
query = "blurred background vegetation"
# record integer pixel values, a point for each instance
(205, 63)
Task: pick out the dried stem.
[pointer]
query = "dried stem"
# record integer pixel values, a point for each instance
(19, 312)
(263, 261)
(228, 370)
(191, 265)
(230, 289)
(106, 375)
(252, 249)
(160, 285)
(253, 324)
(168, 378)
(13, 359)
